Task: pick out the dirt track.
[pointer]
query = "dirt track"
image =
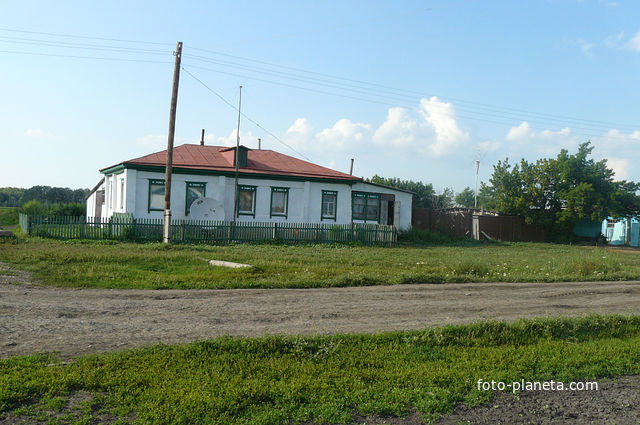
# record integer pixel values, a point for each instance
(36, 318)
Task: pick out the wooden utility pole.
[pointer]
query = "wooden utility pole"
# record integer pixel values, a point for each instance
(237, 162)
(166, 234)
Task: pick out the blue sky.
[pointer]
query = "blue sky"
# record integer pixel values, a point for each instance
(411, 89)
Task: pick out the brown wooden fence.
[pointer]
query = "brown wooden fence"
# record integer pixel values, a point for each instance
(460, 222)
(450, 222)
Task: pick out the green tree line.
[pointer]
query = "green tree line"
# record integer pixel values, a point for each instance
(47, 195)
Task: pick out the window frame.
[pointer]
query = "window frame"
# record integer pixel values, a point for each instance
(110, 192)
(151, 183)
(369, 198)
(122, 193)
(253, 189)
(335, 205)
(279, 189)
(203, 185)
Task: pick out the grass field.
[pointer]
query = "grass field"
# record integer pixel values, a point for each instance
(324, 379)
(156, 266)
(8, 217)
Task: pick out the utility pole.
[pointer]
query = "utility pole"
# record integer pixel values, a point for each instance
(475, 197)
(237, 163)
(166, 234)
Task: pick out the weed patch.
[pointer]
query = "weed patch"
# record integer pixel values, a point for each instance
(324, 379)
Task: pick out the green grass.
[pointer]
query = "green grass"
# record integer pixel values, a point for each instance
(156, 266)
(324, 379)
(8, 216)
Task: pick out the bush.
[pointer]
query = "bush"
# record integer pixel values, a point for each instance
(35, 207)
(424, 236)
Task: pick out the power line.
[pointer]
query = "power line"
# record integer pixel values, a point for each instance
(81, 57)
(95, 47)
(386, 103)
(396, 97)
(395, 89)
(56, 43)
(85, 37)
(243, 114)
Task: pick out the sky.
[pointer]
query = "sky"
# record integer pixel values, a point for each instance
(417, 90)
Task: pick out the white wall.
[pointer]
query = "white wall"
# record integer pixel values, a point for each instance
(304, 204)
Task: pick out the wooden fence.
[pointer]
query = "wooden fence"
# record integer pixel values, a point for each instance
(125, 227)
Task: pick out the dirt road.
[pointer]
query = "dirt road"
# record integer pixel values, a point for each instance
(36, 318)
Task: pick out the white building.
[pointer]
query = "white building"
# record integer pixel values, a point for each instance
(272, 187)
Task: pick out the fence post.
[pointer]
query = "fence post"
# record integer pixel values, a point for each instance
(182, 230)
(82, 223)
(275, 231)
(29, 225)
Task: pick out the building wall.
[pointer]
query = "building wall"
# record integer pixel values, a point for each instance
(618, 235)
(403, 201)
(304, 203)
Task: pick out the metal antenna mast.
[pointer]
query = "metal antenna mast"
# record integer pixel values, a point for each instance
(237, 163)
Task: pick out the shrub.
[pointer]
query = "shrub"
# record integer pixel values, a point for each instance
(35, 207)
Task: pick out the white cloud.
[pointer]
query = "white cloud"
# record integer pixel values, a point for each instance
(399, 129)
(519, 133)
(34, 132)
(434, 132)
(345, 132)
(634, 42)
(156, 141)
(586, 47)
(246, 139)
(620, 167)
(614, 40)
(442, 118)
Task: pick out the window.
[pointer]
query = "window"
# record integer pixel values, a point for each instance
(279, 201)
(365, 206)
(156, 195)
(122, 194)
(329, 204)
(194, 191)
(247, 200)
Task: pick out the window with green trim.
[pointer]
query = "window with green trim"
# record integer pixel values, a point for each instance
(156, 195)
(365, 206)
(279, 201)
(247, 200)
(329, 205)
(194, 191)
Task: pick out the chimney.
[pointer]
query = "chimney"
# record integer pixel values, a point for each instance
(351, 169)
(259, 143)
(202, 138)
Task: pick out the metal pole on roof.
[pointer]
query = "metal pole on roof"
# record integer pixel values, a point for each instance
(235, 161)
(166, 229)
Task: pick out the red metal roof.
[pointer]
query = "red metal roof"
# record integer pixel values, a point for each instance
(220, 158)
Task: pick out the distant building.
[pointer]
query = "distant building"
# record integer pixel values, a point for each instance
(622, 231)
(272, 187)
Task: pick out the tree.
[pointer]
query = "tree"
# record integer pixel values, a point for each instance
(557, 192)
(466, 198)
(423, 193)
(443, 199)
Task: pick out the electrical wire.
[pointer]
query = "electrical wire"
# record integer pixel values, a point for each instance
(85, 37)
(65, 44)
(357, 90)
(82, 57)
(243, 114)
(417, 93)
(369, 100)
